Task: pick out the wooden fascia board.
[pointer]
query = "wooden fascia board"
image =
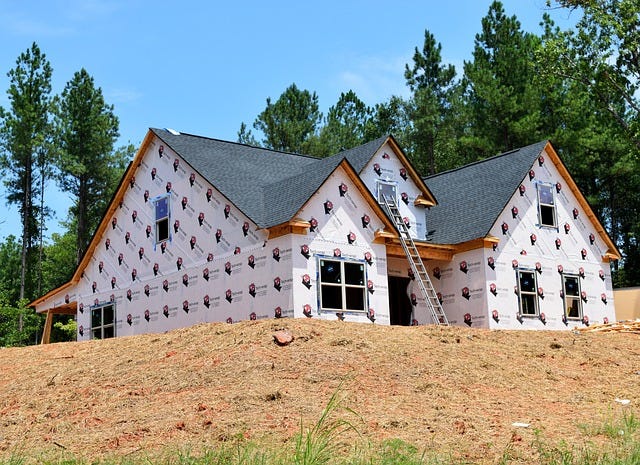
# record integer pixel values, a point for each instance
(294, 226)
(612, 252)
(427, 251)
(118, 196)
(50, 294)
(420, 201)
(428, 199)
(66, 309)
(481, 242)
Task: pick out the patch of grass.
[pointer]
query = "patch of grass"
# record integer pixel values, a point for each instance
(319, 444)
(322, 444)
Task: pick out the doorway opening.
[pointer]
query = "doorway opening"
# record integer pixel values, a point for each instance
(400, 308)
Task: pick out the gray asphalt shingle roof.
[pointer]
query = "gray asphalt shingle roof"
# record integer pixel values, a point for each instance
(471, 198)
(266, 185)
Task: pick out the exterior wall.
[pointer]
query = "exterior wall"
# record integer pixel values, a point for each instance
(491, 275)
(461, 286)
(627, 303)
(151, 291)
(386, 166)
(328, 237)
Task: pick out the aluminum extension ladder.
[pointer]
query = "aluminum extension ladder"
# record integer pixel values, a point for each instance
(417, 266)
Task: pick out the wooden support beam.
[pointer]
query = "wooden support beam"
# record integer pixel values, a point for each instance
(48, 323)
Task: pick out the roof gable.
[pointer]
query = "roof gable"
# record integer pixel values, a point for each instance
(472, 197)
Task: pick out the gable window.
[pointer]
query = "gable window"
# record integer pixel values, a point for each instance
(527, 292)
(572, 302)
(342, 285)
(162, 214)
(386, 189)
(546, 206)
(103, 318)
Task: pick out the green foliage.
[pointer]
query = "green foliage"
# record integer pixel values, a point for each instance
(433, 87)
(19, 325)
(64, 331)
(319, 444)
(9, 266)
(25, 141)
(291, 122)
(346, 125)
(88, 166)
(602, 54)
(500, 92)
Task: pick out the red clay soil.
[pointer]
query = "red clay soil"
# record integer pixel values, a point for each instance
(452, 391)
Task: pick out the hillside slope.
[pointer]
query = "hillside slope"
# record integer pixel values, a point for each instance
(453, 390)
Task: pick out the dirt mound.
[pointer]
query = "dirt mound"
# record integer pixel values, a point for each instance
(454, 390)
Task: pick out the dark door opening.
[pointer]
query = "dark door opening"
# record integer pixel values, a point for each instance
(400, 307)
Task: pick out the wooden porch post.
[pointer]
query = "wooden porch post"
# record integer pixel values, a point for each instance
(46, 335)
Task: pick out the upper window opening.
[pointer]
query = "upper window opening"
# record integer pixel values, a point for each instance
(546, 206)
(386, 189)
(162, 214)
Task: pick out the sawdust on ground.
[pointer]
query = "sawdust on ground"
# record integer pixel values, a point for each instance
(454, 391)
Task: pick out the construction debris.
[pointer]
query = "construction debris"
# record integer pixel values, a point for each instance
(627, 326)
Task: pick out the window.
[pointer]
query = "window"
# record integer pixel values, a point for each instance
(342, 285)
(572, 302)
(527, 292)
(103, 320)
(546, 206)
(388, 189)
(162, 218)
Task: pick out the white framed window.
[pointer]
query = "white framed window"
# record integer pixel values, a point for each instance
(342, 285)
(572, 296)
(103, 321)
(527, 291)
(162, 206)
(546, 206)
(388, 189)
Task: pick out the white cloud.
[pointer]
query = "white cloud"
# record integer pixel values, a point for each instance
(375, 78)
(17, 24)
(122, 95)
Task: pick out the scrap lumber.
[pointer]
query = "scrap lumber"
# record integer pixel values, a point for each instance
(626, 326)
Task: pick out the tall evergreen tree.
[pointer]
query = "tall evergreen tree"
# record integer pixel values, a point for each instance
(346, 124)
(88, 165)
(431, 83)
(291, 122)
(499, 89)
(24, 133)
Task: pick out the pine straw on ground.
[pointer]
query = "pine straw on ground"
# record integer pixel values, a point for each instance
(455, 391)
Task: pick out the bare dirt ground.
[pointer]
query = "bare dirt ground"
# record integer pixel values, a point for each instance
(455, 391)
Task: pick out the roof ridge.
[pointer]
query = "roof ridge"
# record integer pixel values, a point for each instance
(198, 136)
(493, 157)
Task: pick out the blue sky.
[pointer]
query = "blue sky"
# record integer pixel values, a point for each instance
(204, 67)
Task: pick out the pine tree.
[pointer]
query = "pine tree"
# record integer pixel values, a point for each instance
(24, 133)
(88, 165)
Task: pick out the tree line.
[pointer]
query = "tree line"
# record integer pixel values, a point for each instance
(578, 88)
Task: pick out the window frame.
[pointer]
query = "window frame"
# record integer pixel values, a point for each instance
(158, 221)
(577, 297)
(521, 293)
(343, 285)
(102, 326)
(392, 184)
(551, 206)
